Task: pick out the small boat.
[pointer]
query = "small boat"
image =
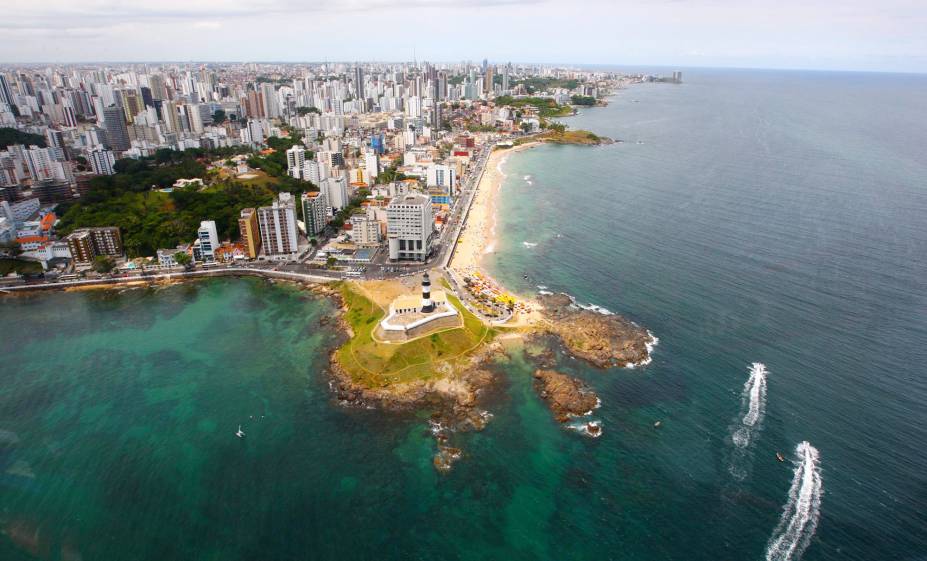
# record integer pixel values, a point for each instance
(780, 457)
(526, 276)
(657, 424)
(240, 434)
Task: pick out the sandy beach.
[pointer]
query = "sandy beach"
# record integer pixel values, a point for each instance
(479, 236)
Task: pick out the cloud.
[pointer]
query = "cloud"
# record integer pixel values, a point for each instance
(207, 25)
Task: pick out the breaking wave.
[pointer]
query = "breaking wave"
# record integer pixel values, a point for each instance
(803, 509)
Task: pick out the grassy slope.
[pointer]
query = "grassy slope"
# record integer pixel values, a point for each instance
(374, 364)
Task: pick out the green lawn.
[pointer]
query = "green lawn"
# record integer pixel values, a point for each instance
(376, 364)
(7, 266)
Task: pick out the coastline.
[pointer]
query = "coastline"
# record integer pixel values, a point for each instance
(479, 236)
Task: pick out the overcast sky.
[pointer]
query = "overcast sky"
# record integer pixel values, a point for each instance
(888, 35)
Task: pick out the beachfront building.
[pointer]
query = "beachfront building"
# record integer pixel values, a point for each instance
(277, 223)
(410, 227)
(87, 243)
(315, 211)
(250, 234)
(443, 177)
(207, 241)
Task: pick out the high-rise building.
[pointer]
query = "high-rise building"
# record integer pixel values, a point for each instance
(87, 243)
(117, 134)
(6, 92)
(250, 234)
(372, 166)
(336, 191)
(359, 83)
(295, 160)
(410, 227)
(315, 210)
(365, 230)
(278, 228)
(102, 161)
(208, 240)
(439, 175)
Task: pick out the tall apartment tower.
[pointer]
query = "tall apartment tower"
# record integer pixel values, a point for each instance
(101, 161)
(117, 134)
(315, 209)
(278, 228)
(295, 160)
(208, 240)
(250, 234)
(359, 83)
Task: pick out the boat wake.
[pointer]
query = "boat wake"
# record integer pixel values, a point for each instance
(748, 423)
(803, 509)
(753, 406)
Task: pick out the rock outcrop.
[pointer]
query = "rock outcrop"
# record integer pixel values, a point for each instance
(602, 340)
(566, 396)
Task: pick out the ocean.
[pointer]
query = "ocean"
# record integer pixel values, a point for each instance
(770, 228)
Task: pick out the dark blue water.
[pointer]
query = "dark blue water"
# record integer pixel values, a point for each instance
(749, 217)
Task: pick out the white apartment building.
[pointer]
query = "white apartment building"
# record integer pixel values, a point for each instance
(445, 177)
(277, 223)
(208, 240)
(410, 227)
(295, 160)
(336, 191)
(101, 161)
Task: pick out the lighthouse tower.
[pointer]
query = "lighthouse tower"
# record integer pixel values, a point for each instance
(427, 305)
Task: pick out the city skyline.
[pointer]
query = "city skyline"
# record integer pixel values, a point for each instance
(700, 33)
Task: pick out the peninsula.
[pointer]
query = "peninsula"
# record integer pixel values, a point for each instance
(375, 185)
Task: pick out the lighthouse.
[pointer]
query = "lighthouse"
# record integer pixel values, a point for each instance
(427, 305)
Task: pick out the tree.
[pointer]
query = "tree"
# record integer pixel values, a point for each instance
(306, 110)
(218, 117)
(103, 264)
(330, 262)
(313, 242)
(183, 259)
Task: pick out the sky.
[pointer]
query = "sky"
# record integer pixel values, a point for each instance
(869, 35)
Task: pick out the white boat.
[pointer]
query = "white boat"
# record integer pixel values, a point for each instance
(240, 434)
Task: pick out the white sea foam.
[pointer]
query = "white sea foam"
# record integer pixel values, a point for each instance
(545, 292)
(542, 287)
(652, 342)
(583, 428)
(752, 408)
(803, 509)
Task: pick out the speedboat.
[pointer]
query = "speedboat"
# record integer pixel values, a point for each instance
(780, 457)
(240, 434)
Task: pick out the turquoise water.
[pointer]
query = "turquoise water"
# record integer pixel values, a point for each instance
(766, 217)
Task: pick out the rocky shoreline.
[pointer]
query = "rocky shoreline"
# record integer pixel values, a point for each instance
(602, 340)
(566, 396)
